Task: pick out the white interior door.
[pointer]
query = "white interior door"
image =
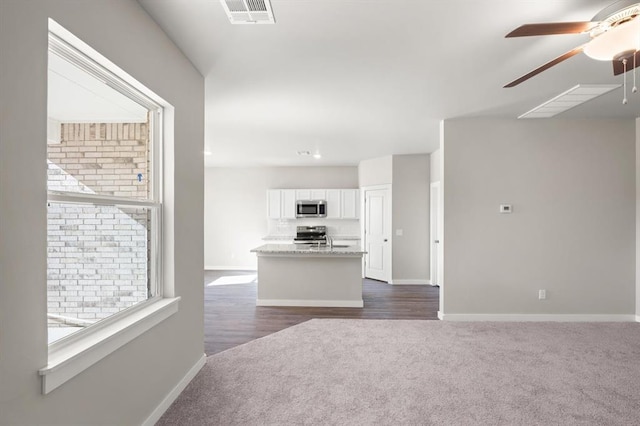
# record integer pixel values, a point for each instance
(436, 234)
(377, 234)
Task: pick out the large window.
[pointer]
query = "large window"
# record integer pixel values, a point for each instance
(104, 194)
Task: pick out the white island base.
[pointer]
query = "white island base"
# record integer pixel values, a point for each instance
(331, 278)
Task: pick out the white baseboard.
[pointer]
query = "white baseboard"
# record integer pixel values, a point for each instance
(440, 315)
(416, 281)
(537, 317)
(175, 392)
(229, 268)
(637, 318)
(315, 303)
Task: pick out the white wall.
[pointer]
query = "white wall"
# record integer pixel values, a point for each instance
(410, 212)
(236, 209)
(435, 158)
(572, 231)
(376, 171)
(127, 385)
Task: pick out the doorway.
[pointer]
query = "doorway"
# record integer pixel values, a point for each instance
(436, 261)
(377, 233)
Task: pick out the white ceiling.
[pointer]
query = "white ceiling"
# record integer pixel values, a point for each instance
(358, 79)
(74, 96)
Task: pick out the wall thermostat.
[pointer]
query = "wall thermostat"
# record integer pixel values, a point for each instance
(506, 208)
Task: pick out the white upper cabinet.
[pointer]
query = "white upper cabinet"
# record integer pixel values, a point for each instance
(341, 203)
(334, 201)
(318, 194)
(281, 203)
(311, 194)
(273, 203)
(288, 204)
(303, 194)
(350, 208)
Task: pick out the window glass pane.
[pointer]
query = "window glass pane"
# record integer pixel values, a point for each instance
(91, 159)
(98, 263)
(98, 138)
(100, 141)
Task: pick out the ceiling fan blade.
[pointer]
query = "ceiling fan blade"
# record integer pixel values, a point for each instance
(552, 28)
(546, 66)
(618, 66)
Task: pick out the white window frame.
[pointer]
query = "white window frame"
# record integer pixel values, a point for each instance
(73, 354)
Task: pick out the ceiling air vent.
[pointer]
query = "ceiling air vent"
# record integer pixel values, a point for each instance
(248, 11)
(573, 97)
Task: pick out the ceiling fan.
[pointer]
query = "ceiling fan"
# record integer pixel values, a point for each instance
(615, 36)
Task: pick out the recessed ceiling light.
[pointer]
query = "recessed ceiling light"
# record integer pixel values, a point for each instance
(317, 156)
(573, 97)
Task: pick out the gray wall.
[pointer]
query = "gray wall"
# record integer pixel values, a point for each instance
(127, 385)
(572, 231)
(409, 177)
(410, 213)
(638, 219)
(435, 160)
(376, 171)
(236, 206)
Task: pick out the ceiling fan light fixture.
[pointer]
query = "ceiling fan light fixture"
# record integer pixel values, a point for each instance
(615, 37)
(616, 42)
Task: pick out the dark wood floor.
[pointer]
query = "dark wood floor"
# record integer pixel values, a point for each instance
(232, 318)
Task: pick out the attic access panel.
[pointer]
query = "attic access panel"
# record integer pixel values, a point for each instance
(248, 11)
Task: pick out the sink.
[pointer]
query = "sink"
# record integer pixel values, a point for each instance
(326, 247)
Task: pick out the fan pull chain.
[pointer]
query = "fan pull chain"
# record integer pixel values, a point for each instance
(635, 88)
(624, 64)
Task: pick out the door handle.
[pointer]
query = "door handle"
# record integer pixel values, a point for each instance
(385, 240)
(436, 241)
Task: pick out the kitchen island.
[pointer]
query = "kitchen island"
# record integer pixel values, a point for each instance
(308, 275)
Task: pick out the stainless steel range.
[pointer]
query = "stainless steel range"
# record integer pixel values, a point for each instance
(310, 235)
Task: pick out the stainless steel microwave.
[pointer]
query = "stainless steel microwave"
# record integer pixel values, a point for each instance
(311, 208)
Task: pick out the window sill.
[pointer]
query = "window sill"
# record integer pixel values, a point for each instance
(70, 360)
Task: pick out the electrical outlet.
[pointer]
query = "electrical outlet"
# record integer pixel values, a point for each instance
(506, 208)
(542, 294)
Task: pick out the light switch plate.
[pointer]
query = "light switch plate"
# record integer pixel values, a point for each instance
(399, 232)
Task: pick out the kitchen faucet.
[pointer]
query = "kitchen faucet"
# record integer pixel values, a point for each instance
(329, 241)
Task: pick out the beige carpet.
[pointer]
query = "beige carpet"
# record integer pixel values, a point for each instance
(382, 372)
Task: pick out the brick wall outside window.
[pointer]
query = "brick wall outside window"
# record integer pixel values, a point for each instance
(97, 255)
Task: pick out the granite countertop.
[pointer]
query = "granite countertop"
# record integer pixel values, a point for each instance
(291, 237)
(304, 249)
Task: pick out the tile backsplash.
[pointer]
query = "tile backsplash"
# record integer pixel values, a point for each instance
(335, 227)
